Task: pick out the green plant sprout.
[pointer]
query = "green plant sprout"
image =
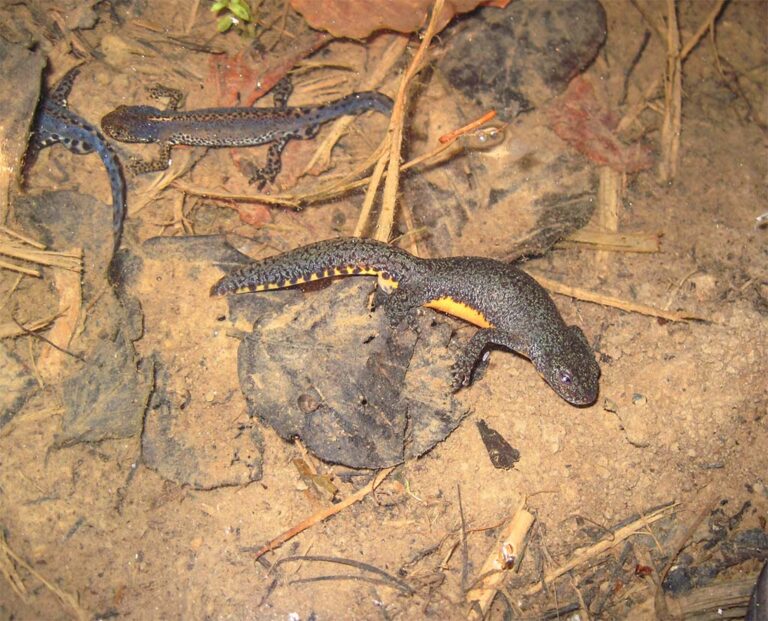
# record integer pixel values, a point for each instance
(236, 14)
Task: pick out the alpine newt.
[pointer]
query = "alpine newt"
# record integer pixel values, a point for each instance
(509, 306)
(231, 127)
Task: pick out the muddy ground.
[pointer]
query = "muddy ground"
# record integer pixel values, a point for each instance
(163, 519)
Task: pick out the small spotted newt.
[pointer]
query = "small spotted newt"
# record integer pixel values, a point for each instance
(231, 127)
(509, 306)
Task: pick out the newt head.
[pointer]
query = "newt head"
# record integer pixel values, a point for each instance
(133, 124)
(568, 365)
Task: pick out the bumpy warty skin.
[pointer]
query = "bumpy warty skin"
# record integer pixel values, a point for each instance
(513, 309)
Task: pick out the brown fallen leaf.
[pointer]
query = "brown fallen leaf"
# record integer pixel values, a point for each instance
(254, 214)
(359, 18)
(582, 120)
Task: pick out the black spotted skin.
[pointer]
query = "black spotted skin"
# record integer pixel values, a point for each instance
(55, 122)
(232, 127)
(512, 309)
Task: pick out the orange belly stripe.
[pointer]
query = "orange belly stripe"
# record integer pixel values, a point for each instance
(458, 309)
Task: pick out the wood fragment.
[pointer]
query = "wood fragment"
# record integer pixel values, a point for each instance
(712, 599)
(706, 501)
(506, 555)
(673, 100)
(610, 196)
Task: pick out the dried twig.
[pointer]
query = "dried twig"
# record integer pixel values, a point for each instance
(707, 24)
(389, 198)
(65, 260)
(615, 302)
(11, 329)
(322, 156)
(389, 578)
(673, 99)
(614, 242)
(606, 543)
(9, 572)
(324, 513)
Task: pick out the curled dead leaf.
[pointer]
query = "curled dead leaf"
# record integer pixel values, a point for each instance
(359, 18)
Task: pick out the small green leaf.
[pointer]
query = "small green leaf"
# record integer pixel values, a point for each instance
(224, 23)
(219, 5)
(240, 9)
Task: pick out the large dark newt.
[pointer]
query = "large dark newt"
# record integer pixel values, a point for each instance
(512, 309)
(231, 127)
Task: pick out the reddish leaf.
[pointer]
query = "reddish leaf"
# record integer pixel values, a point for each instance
(254, 214)
(359, 18)
(585, 123)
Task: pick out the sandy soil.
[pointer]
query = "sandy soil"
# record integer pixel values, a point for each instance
(681, 417)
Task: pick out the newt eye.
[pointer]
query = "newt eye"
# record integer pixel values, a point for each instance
(566, 378)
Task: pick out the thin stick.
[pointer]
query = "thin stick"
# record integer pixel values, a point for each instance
(614, 302)
(59, 348)
(464, 545)
(614, 242)
(322, 157)
(192, 17)
(403, 586)
(20, 237)
(14, 329)
(635, 110)
(370, 194)
(324, 513)
(673, 100)
(18, 268)
(66, 260)
(473, 125)
(601, 546)
(389, 198)
(65, 598)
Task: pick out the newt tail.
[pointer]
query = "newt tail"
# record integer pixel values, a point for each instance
(55, 122)
(336, 257)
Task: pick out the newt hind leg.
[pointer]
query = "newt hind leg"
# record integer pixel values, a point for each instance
(267, 173)
(281, 92)
(401, 306)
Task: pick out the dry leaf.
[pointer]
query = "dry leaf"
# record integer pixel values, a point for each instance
(359, 18)
(586, 123)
